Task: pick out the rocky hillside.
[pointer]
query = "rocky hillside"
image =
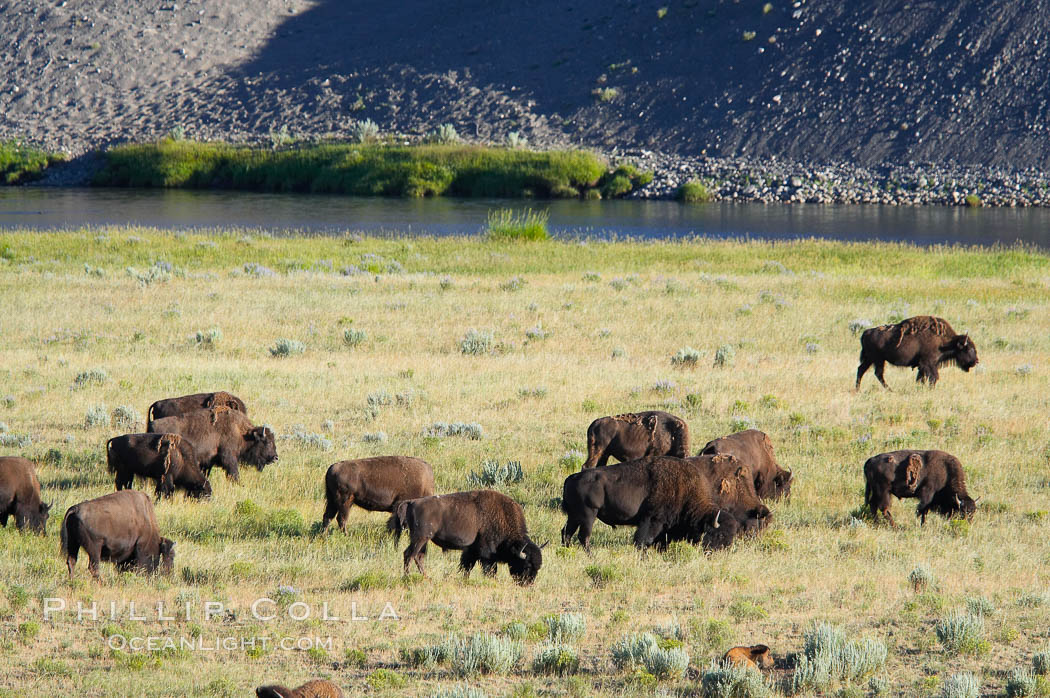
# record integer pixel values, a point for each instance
(818, 81)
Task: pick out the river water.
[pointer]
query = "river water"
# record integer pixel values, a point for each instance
(41, 208)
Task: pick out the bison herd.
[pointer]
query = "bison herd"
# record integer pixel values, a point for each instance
(667, 495)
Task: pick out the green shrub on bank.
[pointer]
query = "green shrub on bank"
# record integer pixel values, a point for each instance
(505, 224)
(22, 163)
(693, 192)
(358, 169)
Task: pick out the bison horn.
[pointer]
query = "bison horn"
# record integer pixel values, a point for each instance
(544, 545)
(976, 500)
(521, 553)
(958, 502)
(717, 514)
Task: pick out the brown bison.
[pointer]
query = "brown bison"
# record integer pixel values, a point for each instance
(636, 435)
(754, 657)
(666, 499)
(754, 449)
(20, 495)
(169, 407)
(222, 437)
(119, 527)
(318, 688)
(923, 342)
(935, 478)
(374, 484)
(169, 460)
(489, 527)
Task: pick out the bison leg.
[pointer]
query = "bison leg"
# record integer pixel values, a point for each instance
(330, 510)
(71, 560)
(571, 526)
(880, 366)
(467, 560)
(415, 551)
(94, 551)
(861, 370)
(228, 462)
(585, 525)
(925, 495)
(344, 513)
(928, 374)
(647, 532)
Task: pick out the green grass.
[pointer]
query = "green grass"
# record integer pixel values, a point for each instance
(506, 224)
(693, 192)
(134, 343)
(21, 163)
(358, 169)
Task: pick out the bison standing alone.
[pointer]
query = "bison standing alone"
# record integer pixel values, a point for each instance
(489, 527)
(223, 437)
(636, 435)
(935, 478)
(20, 495)
(119, 527)
(169, 460)
(169, 407)
(374, 484)
(754, 449)
(923, 342)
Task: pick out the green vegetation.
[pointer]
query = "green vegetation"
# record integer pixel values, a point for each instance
(693, 192)
(20, 163)
(366, 169)
(505, 224)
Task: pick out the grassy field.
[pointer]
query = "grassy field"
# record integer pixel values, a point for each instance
(97, 320)
(21, 163)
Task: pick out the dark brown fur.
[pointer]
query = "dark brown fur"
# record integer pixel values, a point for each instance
(935, 478)
(489, 527)
(222, 437)
(169, 460)
(754, 449)
(169, 407)
(374, 484)
(755, 656)
(923, 342)
(636, 435)
(20, 495)
(119, 527)
(317, 688)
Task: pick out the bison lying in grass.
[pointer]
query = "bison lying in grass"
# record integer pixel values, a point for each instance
(20, 495)
(753, 657)
(169, 460)
(666, 499)
(223, 437)
(374, 484)
(754, 449)
(317, 688)
(489, 527)
(169, 407)
(935, 478)
(923, 342)
(636, 435)
(119, 527)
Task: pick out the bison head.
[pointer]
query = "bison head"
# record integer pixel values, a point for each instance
(720, 530)
(525, 563)
(756, 518)
(966, 507)
(201, 490)
(964, 351)
(35, 518)
(782, 485)
(761, 656)
(167, 555)
(260, 448)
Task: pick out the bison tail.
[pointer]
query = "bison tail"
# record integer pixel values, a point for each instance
(679, 431)
(398, 520)
(111, 460)
(64, 532)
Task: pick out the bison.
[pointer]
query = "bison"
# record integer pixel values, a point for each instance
(753, 448)
(317, 688)
(222, 437)
(923, 342)
(753, 657)
(666, 499)
(169, 407)
(489, 527)
(935, 478)
(374, 484)
(119, 527)
(20, 495)
(167, 459)
(636, 435)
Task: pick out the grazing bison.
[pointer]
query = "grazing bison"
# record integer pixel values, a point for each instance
(923, 342)
(489, 527)
(318, 688)
(666, 499)
(754, 657)
(167, 459)
(169, 407)
(636, 435)
(374, 484)
(119, 527)
(222, 437)
(20, 495)
(754, 449)
(935, 478)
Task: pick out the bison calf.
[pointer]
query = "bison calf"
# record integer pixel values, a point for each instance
(754, 657)
(638, 435)
(222, 437)
(169, 460)
(489, 527)
(935, 478)
(923, 342)
(374, 484)
(20, 495)
(119, 527)
(318, 688)
(169, 407)
(754, 449)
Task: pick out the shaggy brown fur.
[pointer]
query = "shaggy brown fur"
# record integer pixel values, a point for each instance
(923, 342)
(374, 484)
(169, 460)
(222, 437)
(20, 495)
(317, 688)
(755, 450)
(169, 407)
(755, 656)
(935, 478)
(636, 435)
